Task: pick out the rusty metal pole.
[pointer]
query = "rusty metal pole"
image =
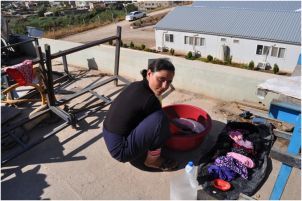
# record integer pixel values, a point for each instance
(117, 53)
(50, 90)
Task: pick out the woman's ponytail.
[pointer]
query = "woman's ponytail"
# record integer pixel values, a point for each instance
(144, 73)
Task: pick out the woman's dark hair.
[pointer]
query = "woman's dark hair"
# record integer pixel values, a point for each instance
(158, 65)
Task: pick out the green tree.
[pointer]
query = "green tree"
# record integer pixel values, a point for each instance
(172, 51)
(276, 68)
(251, 65)
(131, 45)
(143, 46)
(41, 11)
(210, 58)
(131, 7)
(189, 55)
(56, 11)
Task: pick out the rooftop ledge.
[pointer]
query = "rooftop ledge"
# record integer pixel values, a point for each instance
(216, 81)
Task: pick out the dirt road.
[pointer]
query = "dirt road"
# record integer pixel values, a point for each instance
(144, 35)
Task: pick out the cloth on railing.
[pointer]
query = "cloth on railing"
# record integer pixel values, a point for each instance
(22, 73)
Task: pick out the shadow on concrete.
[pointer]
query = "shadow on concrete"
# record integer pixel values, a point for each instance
(51, 150)
(92, 64)
(17, 188)
(182, 158)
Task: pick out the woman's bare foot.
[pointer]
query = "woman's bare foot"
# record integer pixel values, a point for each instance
(159, 162)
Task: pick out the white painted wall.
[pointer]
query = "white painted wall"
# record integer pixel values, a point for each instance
(217, 81)
(242, 52)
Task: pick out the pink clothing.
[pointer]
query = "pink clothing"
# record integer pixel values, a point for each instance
(238, 138)
(22, 73)
(246, 161)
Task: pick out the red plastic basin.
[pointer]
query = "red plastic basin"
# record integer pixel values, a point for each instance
(186, 142)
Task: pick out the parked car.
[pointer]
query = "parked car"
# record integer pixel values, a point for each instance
(135, 15)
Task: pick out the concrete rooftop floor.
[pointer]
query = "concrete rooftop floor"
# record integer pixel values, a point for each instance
(75, 164)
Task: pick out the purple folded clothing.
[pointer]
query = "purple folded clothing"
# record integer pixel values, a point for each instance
(223, 173)
(233, 164)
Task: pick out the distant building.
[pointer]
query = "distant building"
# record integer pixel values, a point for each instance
(72, 4)
(55, 3)
(259, 31)
(30, 4)
(96, 5)
(82, 4)
(151, 5)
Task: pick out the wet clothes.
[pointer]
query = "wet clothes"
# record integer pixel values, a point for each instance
(188, 126)
(135, 123)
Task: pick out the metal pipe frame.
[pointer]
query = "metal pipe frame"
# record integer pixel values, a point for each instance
(20, 43)
(69, 119)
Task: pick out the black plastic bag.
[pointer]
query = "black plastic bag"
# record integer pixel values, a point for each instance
(263, 139)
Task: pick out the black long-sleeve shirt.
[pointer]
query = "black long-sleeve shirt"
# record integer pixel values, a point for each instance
(132, 105)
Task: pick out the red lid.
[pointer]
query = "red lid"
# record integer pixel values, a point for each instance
(221, 184)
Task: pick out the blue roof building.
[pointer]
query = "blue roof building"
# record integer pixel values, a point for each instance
(262, 5)
(259, 31)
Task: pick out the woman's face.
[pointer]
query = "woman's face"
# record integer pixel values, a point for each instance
(159, 81)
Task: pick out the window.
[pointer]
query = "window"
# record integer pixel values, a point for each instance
(274, 52)
(281, 52)
(235, 41)
(186, 39)
(191, 40)
(259, 49)
(194, 41)
(197, 41)
(278, 52)
(202, 42)
(262, 50)
(169, 38)
(223, 39)
(265, 50)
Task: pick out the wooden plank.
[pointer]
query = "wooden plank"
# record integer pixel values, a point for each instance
(282, 134)
(287, 158)
(252, 105)
(245, 197)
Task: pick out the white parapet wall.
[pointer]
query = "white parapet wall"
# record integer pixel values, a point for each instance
(217, 81)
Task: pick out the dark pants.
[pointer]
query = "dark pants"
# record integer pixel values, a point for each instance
(150, 134)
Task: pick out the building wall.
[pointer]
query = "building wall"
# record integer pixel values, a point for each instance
(150, 5)
(217, 81)
(242, 52)
(80, 4)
